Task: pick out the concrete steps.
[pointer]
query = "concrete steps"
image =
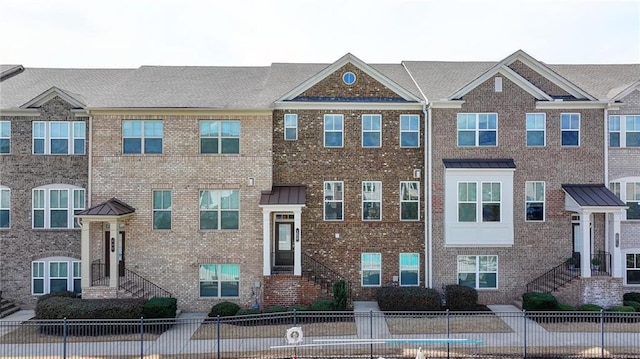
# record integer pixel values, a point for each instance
(7, 307)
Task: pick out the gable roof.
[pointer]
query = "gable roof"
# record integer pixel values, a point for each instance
(368, 69)
(593, 195)
(74, 100)
(600, 80)
(111, 207)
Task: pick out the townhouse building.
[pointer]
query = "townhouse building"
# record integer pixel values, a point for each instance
(263, 185)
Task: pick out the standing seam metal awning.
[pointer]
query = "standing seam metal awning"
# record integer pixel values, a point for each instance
(592, 195)
(284, 194)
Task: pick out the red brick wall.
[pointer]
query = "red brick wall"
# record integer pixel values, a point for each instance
(287, 290)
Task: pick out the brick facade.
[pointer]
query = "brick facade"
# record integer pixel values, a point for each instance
(21, 172)
(538, 246)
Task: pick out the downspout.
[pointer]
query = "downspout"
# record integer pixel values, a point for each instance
(427, 192)
(89, 160)
(607, 216)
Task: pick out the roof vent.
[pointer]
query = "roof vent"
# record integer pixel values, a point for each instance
(498, 84)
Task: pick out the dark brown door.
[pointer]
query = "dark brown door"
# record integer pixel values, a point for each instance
(107, 254)
(284, 244)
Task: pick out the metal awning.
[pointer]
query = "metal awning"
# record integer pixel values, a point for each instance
(292, 194)
(479, 163)
(595, 196)
(111, 207)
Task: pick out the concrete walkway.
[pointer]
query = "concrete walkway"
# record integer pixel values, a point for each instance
(514, 318)
(370, 321)
(17, 317)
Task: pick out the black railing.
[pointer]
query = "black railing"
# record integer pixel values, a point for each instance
(323, 275)
(560, 275)
(601, 264)
(131, 282)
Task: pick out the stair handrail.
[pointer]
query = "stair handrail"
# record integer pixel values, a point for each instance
(318, 268)
(149, 289)
(558, 275)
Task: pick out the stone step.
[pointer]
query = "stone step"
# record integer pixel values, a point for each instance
(7, 307)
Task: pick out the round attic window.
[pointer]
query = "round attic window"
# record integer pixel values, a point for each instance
(349, 78)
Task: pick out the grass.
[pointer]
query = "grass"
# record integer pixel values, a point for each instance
(229, 331)
(438, 324)
(28, 333)
(583, 327)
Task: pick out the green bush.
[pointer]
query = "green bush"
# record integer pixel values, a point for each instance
(461, 298)
(274, 309)
(536, 301)
(340, 295)
(590, 308)
(76, 308)
(299, 308)
(630, 303)
(632, 297)
(621, 309)
(160, 307)
(247, 311)
(322, 305)
(408, 299)
(57, 294)
(564, 307)
(224, 309)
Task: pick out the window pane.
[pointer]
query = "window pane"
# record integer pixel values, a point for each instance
(634, 210)
(208, 289)
(230, 145)
(467, 212)
(371, 139)
(370, 278)
(59, 146)
(633, 139)
(230, 129)
(371, 210)
(569, 138)
(487, 280)
(229, 219)
(38, 286)
(290, 134)
(4, 218)
(535, 138)
(491, 212)
(153, 145)
(208, 145)
(59, 219)
(467, 279)
(132, 145)
(77, 285)
(409, 139)
(409, 210)
(487, 138)
(5, 145)
(466, 138)
(57, 285)
(38, 219)
(161, 220)
(333, 139)
(208, 220)
(535, 211)
(229, 289)
(333, 211)
(78, 146)
(488, 263)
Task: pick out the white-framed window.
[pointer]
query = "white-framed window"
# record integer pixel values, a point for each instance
(491, 201)
(371, 200)
(161, 209)
(478, 272)
(5, 137)
(624, 131)
(333, 200)
(570, 128)
(5, 207)
(219, 280)
(632, 269)
(409, 131)
(409, 200)
(467, 202)
(59, 137)
(409, 269)
(290, 126)
(371, 130)
(477, 129)
(534, 201)
(371, 269)
(536, 129)
(55, 274)
(218, 137)
(53, 206)
(219, 209)
(333, 130)
(628, 190)
(142, 137)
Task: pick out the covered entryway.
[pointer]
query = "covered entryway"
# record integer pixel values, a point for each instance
(282, 223)
(112, 213)
(585, 200)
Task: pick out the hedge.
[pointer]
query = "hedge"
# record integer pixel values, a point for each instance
(461, 298)
(323, 305)
(631, 297)
(57, 294)
(74, 308)
(590, 308)
(630, 303)
(537, 301)
(408, 299)
(160, 307)
(224, 309)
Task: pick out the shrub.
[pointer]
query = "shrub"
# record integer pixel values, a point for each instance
(224, 309)
(247, 311)
(536, 301)
(322, 305)
(299, 308)
(340, 295)
(461, 298)
(621, 309)
(274, 309)
(57, 294)
(159, 307)
(590, 308)
(630, 303)
(564, 307)
(408, 299)
(632, 297)
(76, 308)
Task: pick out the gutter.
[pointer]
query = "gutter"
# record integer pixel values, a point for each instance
(428, 192)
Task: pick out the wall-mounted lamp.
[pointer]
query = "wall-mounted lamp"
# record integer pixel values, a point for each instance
(617, 240)
(251, 181)
(297, 234)
(113, 244)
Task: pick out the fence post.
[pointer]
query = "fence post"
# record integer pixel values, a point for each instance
(218, 336)
(448, 334)
(141, 337)
(64, 338)
(602, 333)
(524, 333)
(371, 333)
(295, 318)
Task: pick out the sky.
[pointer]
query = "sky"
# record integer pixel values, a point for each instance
(132, 33)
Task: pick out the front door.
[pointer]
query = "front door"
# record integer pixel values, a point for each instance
(107, 253)
(284, 244)
(577, 243)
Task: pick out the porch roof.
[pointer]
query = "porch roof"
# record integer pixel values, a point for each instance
(284, 194)
(111, 207)
(592, 195)
(479, 163)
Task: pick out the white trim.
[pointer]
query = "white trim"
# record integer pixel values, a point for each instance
(169, 209)
(509, 74)
(401, 131)
(217, 193)
(377, 188)
(571, 105)
(48, 137)
(5, 188)
(218, 136)
(362, 269)
(477, 130)
(284, 126)
(143, 136)
(46, 273)
(409, 201)
(625, 252)
(579, 129)
(622, 131)
(477, 270)
(417, 268)
(295, 105)
(349, 58)
(49, 94)
(21, 113)
(362, 130)
(325, 201)
(46, 208)
(626, 91)
(444, 103)
(544, 200)
(544, 129)
(219, 281)
(333, 130)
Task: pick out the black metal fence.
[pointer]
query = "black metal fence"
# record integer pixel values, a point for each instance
(333, 335)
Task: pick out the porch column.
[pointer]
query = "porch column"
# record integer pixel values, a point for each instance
(266, 242)
(616, 254)
(585, 257)
(114, 274)
(297, 253)
(85, 253)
